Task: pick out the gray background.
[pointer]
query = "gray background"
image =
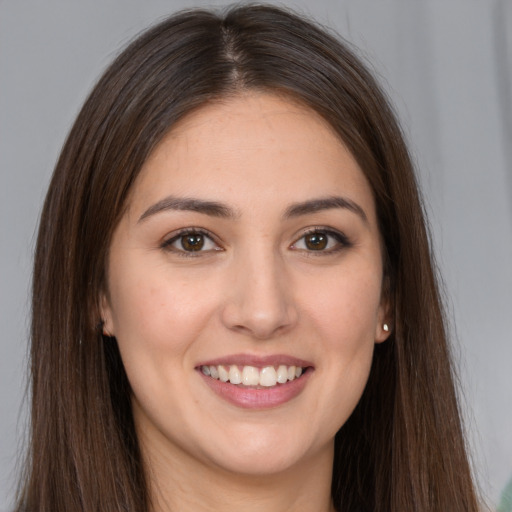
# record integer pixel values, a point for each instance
(447, 66)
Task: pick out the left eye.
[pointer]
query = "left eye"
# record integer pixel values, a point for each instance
(192, 241)
(321, 241)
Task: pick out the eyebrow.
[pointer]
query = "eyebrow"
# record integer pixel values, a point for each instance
(326, 203)
(212, 208)
(216, 209)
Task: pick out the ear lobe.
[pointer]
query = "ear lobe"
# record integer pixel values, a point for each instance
(106, 316)
(384, 324)
(382, 331)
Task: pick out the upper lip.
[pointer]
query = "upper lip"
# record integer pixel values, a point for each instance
(257, 361)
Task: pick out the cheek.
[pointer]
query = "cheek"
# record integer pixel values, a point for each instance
(344, 317)
(153, 313)
(345, 307)
(158, 320)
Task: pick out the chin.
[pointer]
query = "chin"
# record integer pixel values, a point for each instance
(265, 453)
(259, 464)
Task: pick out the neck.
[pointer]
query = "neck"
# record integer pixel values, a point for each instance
(179, 482)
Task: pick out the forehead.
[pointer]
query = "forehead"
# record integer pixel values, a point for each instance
(251, 148)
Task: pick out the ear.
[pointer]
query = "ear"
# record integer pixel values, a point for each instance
(384, 325)
(106, 316)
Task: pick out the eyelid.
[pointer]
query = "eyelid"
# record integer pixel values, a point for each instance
(175, 235)
(343, 241)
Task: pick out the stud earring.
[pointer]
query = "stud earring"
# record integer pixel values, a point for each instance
(385, 327)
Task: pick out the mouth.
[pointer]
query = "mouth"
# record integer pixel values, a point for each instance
(256, 382)
(253, 376)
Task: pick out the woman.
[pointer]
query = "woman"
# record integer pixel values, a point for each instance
(234, 300)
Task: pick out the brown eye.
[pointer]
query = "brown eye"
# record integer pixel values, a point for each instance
(316, 241)
(322, 241)
(192, 242)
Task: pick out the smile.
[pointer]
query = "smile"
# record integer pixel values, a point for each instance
(256, 382)
(252, 376)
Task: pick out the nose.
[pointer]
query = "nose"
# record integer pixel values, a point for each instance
(260, 301)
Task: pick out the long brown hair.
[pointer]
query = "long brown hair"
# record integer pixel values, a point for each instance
(402, 450)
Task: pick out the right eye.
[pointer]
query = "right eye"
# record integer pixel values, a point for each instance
(191, 241)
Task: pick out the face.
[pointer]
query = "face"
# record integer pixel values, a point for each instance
(245, 288)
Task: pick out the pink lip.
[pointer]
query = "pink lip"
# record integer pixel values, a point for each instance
(257, 397)
(257, 361)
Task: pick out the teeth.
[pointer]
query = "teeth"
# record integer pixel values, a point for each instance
(282, 374)
(214, 372)
(252, 376)
(235, 377)
(223, 374)
(268, 377)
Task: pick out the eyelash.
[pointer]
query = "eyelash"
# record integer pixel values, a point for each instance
(167, 244)
(342, 242)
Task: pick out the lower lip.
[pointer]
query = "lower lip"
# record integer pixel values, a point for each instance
(258, 398)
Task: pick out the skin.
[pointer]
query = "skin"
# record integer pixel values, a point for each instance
(256, 288)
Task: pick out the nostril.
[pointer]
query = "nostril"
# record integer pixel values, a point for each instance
(260, 320)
